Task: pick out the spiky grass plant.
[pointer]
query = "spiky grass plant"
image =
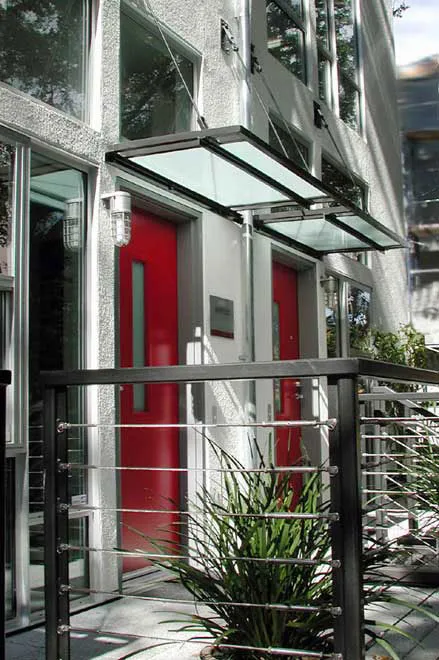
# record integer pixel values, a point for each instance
(246, 542)
(249, 553)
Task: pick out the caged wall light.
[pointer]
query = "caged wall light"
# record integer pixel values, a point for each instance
(72, 237)
(119, 203)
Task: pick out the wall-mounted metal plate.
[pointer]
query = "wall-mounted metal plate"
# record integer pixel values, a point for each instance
(222, 322)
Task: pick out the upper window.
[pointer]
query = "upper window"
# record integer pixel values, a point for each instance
(154, 100)
(344, 183)
(44, 51)
(325, 53)
(7, 158)
(337, 43)
(282, 140)
(347, 60)
(286, 34)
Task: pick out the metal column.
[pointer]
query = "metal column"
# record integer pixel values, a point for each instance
(5, 379)
(56, 560)
(347, 532)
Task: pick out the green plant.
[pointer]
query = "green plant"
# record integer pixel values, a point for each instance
(250, 552)
(406, 346)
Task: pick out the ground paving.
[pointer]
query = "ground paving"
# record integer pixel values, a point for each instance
(135, 629)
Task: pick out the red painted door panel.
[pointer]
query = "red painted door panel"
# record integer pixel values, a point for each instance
(148, 336)
(286, 347)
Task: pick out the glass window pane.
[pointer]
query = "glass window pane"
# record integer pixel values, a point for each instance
(424, 160)
(332, 315)
(325, 91)
(359, 319)
(345, 37)
(285, 40)
(344, 184)
(349, 99)
(296, 150)
(7, 159)
(153, 99)
(10, 592)
(297, 6)
(322, 21)
(56, 238)
(78, 562)
(139, 357)
(44, 50)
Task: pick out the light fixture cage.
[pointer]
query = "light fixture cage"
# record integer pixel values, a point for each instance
(72, 231)
(120, 215)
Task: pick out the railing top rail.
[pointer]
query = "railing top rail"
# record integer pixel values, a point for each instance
(333, 368)
(5, 377)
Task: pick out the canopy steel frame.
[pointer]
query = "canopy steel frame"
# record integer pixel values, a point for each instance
(257, 162)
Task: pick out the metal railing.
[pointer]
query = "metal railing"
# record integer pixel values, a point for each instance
(344, 518)
(400, 448)
(5, 379)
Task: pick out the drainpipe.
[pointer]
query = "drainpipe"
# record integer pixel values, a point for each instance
(248, 352)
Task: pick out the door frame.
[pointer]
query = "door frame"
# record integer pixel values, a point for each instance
(190, 299)
(310, 345)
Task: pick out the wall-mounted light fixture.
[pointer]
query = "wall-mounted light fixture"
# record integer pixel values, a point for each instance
(119, 203)
(72, 237)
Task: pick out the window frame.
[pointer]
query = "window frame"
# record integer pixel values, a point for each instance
(362, 185)
(343, 325)
(329, 53)
(18, 392)
(299, 23)
(88, 64)
(305, 161)
(181, 46)
(355, 81)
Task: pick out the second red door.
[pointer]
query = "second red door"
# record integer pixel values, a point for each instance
(286, 347)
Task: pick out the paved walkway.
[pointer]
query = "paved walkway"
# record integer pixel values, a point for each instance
(133, 628)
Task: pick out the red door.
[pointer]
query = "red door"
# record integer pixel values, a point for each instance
(286, 347)
(148, 336)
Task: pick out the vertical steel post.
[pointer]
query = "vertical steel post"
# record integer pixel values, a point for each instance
(56, 560)
(4, 380)
(347, 532)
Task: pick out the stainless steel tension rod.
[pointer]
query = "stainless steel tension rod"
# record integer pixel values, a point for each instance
(335, 611)
(402, 420)
(329, 423)
(333, 517)
(305, 469)
(335, 563)
(288, 653)
(384, 436)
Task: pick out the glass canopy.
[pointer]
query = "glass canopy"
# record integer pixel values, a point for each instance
(230, 169)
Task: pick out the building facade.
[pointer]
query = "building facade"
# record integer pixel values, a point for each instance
(314, 79)
(418, 100)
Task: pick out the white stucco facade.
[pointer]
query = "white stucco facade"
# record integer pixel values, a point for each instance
(371, 155)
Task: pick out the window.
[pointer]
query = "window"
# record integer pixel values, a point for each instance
(56, 236)
(7, 159)
(347, 60)
(296, 148)
(332, 315)
(324, 53)
(359, 319)
(348, 317)
(344, 183)
(44, 51)
(153, 99)
(286, 34)
(337, 43)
